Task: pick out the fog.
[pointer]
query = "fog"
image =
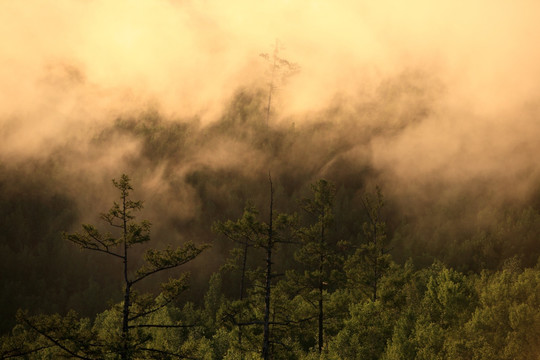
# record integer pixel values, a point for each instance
(436, 102)
(441, 95)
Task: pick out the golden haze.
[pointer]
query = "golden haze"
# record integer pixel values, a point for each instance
(67, 66)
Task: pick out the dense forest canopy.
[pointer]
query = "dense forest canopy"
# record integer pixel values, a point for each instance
(369, 174)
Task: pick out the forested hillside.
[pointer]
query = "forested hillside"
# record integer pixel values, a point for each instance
(294, 286)
(379, 273)
(269, 179)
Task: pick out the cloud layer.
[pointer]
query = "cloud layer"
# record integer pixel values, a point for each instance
(68, 68)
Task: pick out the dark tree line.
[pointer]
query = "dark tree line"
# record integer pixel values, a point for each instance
(462, 225)
(332, 298)
(129, 340)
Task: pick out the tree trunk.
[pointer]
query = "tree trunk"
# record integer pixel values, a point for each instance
(125, 323)
(321, 318)
(127, 292)
(242, 281)
(266, 333)
(321, 285)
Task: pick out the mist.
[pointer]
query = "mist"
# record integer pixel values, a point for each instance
(71, 66)
(438, 103)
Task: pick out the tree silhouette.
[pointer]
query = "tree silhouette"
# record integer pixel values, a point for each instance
(129, 339)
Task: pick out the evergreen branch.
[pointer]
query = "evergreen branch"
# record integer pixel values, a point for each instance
(161, 326)
(156, 270)
(54, 341)
(287, 347)
(171, 290)
(151, 311)
(289, 322)
(282, 323)
(103, 251)
(160, 260)
(92, 233)
(254, 322)
(163, 352)
(248, 241)
(294, 242)
(18, 352)
(109, 219)
(91, 241)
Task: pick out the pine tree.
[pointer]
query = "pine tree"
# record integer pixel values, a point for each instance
(318, 251)
(130, 338)
(247, 232)
(266, 237)
(371, 259)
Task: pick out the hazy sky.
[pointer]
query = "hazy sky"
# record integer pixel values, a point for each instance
(67, 65)
(188, 55)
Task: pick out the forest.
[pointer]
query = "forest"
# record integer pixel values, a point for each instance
(284, 179)
(286, 247)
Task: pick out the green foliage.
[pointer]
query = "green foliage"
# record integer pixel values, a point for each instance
(127, 330)
(460, 225)
(53, 336)
(159, 260)
(246, 232)
(318, 251)
(364, 334)
(381, 310)
(319, 256)
(447, 298)
(371, 259)
(401, 346)
(506, 324)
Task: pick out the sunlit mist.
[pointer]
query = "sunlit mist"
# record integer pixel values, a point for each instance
(72, 67)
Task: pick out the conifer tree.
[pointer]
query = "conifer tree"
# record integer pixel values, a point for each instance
(247, 232)
(371, 259)
(318, 251)
(129, 340)
(279, 70)
(266, 237)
